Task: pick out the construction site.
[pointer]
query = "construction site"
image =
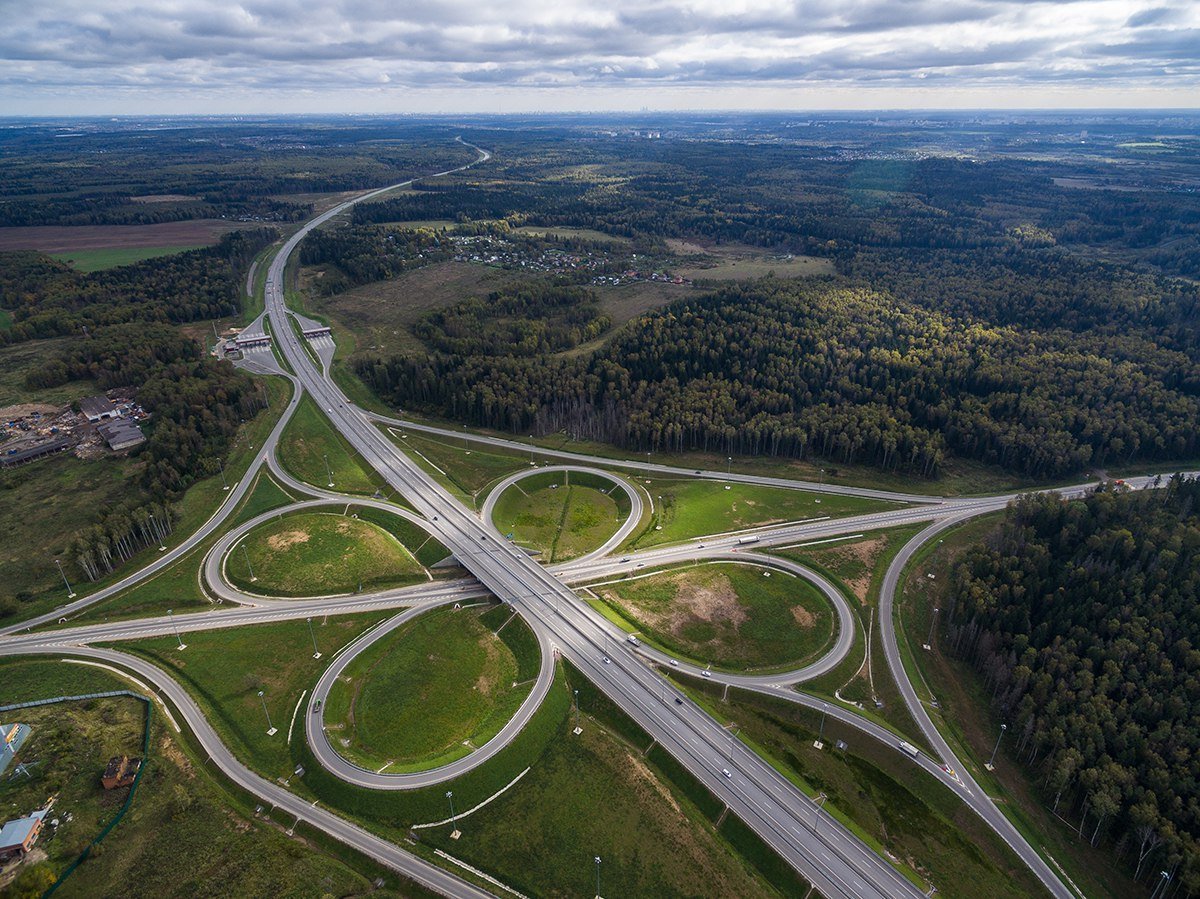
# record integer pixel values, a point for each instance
(90, 428)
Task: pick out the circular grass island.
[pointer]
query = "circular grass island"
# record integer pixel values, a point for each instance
(323, 553)
(432, 691)
(735, 616)
(561, 515)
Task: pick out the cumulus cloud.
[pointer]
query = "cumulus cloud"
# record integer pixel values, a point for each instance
(104, 48)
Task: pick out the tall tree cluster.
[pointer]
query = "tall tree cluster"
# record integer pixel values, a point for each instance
(1083, 619)
(802, 368)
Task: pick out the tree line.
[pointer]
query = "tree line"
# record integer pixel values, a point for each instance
(48, 299)
(816, 368)
(1082, 619)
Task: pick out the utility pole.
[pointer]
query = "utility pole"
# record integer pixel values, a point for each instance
(313, 634)
(270, 727)
(246, 556)
(328, 473)
(171, 615)
(992, 761)
(455, 833)
(70, 592)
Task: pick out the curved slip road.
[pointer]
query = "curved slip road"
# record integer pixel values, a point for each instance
(417, 869)
(628, 526)
(330, 758)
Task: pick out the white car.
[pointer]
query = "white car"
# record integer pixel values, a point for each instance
(674, 663)
(607, 660)
(725, 771)
(706, 673)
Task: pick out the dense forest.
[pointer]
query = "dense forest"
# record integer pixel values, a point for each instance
(803, 368)
(1083, 619)
(46, 298)
(131, 172)
(362, 255)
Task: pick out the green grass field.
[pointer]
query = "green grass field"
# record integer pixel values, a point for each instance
(42, 506)
(5, 319)
(966, 719)
(684, 509)
(225, 669)
(17, 360)
(112, 257)
(185, 830)
(319, 554)
(178, 587)
(599, 794)
(728, 614)
(67, 492)
(559, 516)
(308, 439)
(465, 468)
(879, 794)
(426, 694)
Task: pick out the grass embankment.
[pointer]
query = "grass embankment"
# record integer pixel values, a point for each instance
(599, 793)
(965, 718)
(432, 691)
(466, 469)
(225, 669)
(319, 554)
(186, 828)
(561, 515)
(565, 800)
(738, 617)
(884, 798)
(686, 508)
(857, 568)
(178, 586)
(309, 439)
(68, 493)
(112, 257)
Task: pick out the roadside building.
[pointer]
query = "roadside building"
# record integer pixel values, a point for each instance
(18, 836)
(97, 408)
(12, 737)
(120, 772)
(30, 453)
(121, 434)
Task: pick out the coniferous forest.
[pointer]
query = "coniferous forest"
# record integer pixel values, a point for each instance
(1082, 620)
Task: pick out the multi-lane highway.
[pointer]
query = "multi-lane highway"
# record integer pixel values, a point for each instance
(820, 848)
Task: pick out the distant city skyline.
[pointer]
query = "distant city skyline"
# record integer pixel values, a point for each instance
(112, 57)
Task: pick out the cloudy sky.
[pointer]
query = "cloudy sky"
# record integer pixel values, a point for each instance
(198, 56)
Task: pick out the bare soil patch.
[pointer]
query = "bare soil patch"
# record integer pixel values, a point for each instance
(803, 616)
(67, 238)
(288, 539)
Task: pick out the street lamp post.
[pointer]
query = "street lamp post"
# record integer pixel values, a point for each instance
(932, 628)
(530, 449)
(455, 833)
(1164, 879)
(70, 592)
(328, 473)
(224, 483)
(249, 567)
(728, 464)
(171, 615)
(820, 743)
(270, 727)
(313, 634)
(597, 877)
(992, 761)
